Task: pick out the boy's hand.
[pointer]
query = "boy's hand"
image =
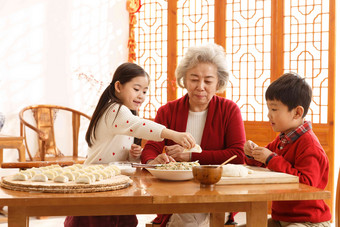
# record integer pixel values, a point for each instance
(135, 151)
(249, 147)
(176, 152)
(261, 154)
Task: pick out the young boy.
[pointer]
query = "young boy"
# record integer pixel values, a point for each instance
(295, 151)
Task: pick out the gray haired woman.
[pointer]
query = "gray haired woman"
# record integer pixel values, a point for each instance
(214, 122)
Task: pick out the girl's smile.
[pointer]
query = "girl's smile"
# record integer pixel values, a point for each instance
(133, 93)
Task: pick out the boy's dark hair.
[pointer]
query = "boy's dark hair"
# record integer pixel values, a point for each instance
(292, 90)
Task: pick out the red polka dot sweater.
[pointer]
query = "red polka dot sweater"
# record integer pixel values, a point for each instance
(115, 134)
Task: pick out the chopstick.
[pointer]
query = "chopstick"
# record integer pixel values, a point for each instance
(144, 165)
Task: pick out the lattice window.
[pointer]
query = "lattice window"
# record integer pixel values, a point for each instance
(248, 29)
(249, 45)
(151, 37)
(195, 22)
(306, 36)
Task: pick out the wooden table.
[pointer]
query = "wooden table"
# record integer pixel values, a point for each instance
(149, 195)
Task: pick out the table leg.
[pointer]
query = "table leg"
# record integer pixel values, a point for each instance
(257, 214)
(17, 217)
(217, 219)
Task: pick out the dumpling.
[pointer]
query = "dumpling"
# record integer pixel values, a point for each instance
(40, 178)
(50, 174)
(109, 172)
(20, 177)
(36, 170)
(104, 174)
(115, 169)
(83, 179)
(92, 176)
(79, 166)
(69, 175)
(59, 171)
(196, 149)
(98, 176)
(99, 166)
(61, 179)
(72, 168)
(27, 173)
(76, 174)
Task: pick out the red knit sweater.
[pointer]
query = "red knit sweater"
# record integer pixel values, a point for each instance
(223, 134)
(306, 159)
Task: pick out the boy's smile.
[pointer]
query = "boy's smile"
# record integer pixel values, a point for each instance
(281, 119)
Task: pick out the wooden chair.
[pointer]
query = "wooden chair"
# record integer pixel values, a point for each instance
(44, 117)
(12, 142)
(337, 203)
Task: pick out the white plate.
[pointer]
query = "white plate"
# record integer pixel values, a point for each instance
(172, 175)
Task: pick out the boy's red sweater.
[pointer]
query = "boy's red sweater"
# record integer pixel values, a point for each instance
(306, 159)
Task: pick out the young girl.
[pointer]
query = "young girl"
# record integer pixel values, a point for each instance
(114, 127)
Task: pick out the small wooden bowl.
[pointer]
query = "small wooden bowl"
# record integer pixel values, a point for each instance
(207, 175)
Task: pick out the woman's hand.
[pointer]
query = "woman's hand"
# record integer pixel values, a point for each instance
(176, 152)
(135, 151)
(162, 159)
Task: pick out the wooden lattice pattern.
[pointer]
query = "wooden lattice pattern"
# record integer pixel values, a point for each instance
(248, 47)
(195, 23)
(306, 48)
(248, 51)
(151, 37)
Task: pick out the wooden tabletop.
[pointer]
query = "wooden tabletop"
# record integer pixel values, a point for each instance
(150, 195)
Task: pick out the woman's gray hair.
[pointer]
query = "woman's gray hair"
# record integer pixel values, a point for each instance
(209, 53)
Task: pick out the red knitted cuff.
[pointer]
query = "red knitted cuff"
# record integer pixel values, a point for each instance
(272, 155)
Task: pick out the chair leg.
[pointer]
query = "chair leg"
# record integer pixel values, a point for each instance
(1, 155)
(21, 151)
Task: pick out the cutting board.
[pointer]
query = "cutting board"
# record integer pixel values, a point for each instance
(260, 176)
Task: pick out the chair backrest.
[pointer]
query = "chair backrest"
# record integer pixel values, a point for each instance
(337, 203)
(44, 116)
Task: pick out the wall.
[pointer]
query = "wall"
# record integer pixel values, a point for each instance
(58, 52)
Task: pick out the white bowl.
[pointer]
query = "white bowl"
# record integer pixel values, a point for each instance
(171, 175)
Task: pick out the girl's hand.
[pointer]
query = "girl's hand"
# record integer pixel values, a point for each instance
(184, 139)
(261, 154)
(135, 151)
(162, 159)
(176, 152)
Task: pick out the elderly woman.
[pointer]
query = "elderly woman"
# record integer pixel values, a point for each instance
(215, 122)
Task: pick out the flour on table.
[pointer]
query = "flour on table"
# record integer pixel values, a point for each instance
(233, 170)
